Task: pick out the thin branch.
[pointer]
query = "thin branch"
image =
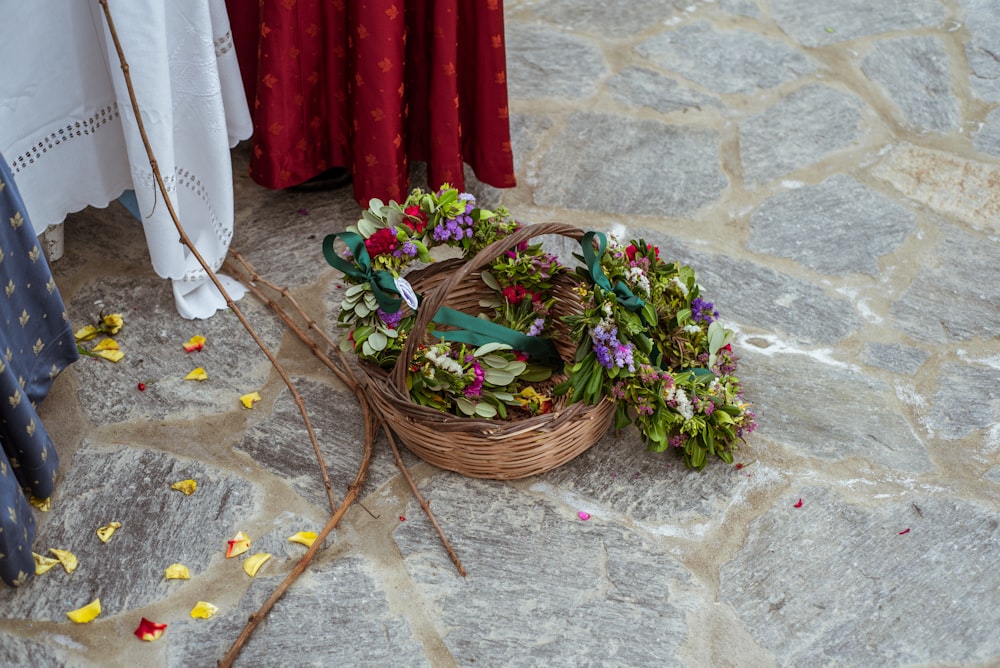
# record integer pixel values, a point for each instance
(184, 239)
(255, 278)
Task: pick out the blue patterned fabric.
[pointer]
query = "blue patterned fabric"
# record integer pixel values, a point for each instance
(36, 343)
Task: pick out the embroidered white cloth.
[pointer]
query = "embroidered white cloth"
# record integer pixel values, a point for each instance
(68, 130)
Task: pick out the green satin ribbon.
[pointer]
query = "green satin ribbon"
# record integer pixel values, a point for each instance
(382, 282)
(477, 332)
(625, 296)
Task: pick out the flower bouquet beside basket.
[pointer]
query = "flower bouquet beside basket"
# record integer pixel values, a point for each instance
(504, 362)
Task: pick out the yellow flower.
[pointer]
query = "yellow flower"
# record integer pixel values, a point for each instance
(112, 323)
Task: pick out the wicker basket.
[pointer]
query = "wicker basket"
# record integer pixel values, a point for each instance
(476, 447)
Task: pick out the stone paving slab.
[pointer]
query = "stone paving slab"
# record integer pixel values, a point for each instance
(829, 170)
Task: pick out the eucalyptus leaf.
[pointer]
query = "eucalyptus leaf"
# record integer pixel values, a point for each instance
(516, 367)
(377, 341)
(506, 397)
(486, 410)
(356, 289)
(535, 373)
(394, 217)
(366, 228)
(375, 204)
(498, 377)
(465, 405)
(494, 361)
(362, 311)
(490, 347)
(367, 349)
(490, 281)
(370, 301)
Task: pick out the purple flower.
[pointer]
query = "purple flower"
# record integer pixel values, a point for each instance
(476, 388)
(391, 320)
(536, 327)
(703, 311)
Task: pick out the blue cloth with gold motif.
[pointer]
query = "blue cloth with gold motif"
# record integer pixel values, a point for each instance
(36, 343)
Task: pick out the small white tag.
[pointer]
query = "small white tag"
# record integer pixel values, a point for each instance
(406, 292)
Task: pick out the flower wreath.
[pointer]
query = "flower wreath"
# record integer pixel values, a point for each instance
(646, 339)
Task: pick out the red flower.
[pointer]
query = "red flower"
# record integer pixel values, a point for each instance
(415, 219)
(631, 250)
(383, 242)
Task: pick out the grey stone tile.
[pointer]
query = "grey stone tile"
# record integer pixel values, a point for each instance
(281, 444)
(152, 340)
(608, 19)
(15, 651)
(545, 62)
(818, 409)
(817, 24)
(160, 526)
(806, 223)
(834, 581)
(335, 614)
(983, 48)
(604, 162)
(740, 7)
(800, 129)
(967, 400)
(914, 72)
(753, 294)
(895, 357)
(525, 133)
(641, 87)
(595, 587)
(987, 139)
(955, 297)
(733, 61)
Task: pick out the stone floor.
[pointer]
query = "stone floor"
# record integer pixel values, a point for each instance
(831, 171)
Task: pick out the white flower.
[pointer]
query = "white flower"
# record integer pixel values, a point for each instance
(606, 307)
(443, 362)
(684, 406)
(637, 277)
(692, 329)
(677, 283)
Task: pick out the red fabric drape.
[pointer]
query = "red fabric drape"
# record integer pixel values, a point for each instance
(372, 84)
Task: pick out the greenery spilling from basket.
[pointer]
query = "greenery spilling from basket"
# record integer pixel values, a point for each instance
(646, 339)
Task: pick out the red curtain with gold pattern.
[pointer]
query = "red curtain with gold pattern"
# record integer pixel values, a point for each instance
(371, 85)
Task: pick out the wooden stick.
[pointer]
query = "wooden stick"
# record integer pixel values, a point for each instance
(184, 239)
(253, 278)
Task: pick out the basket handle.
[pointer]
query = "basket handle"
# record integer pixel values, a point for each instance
(436, 298)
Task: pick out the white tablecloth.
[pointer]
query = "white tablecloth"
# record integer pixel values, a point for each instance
(69, 134)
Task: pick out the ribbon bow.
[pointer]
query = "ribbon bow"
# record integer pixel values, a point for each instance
(625, 296)
(383, 283)
(478, 332)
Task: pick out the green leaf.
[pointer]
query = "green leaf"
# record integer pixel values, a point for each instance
(490, 281)
(506, 397)
(516, 367)
(494, 361)
(465, 405)
(490, 347)
(377, 341)
(622, 419)
(535, 373)
(366, 228)
(486, 410)
(498, 377)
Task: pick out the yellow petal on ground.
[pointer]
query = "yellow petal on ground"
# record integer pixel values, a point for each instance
(238, 545)
(250, 399)
(43, 564)
(196, 342)
(203, 610)
(187, 486)
(106, 344)
(197, 374)
(105, 532)
(87, 613)
(85, 333)
(254, 562)
(113, 323)
(177, 572)
(44, 505)
(66, 558)
(306, 538)
(111, 355)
